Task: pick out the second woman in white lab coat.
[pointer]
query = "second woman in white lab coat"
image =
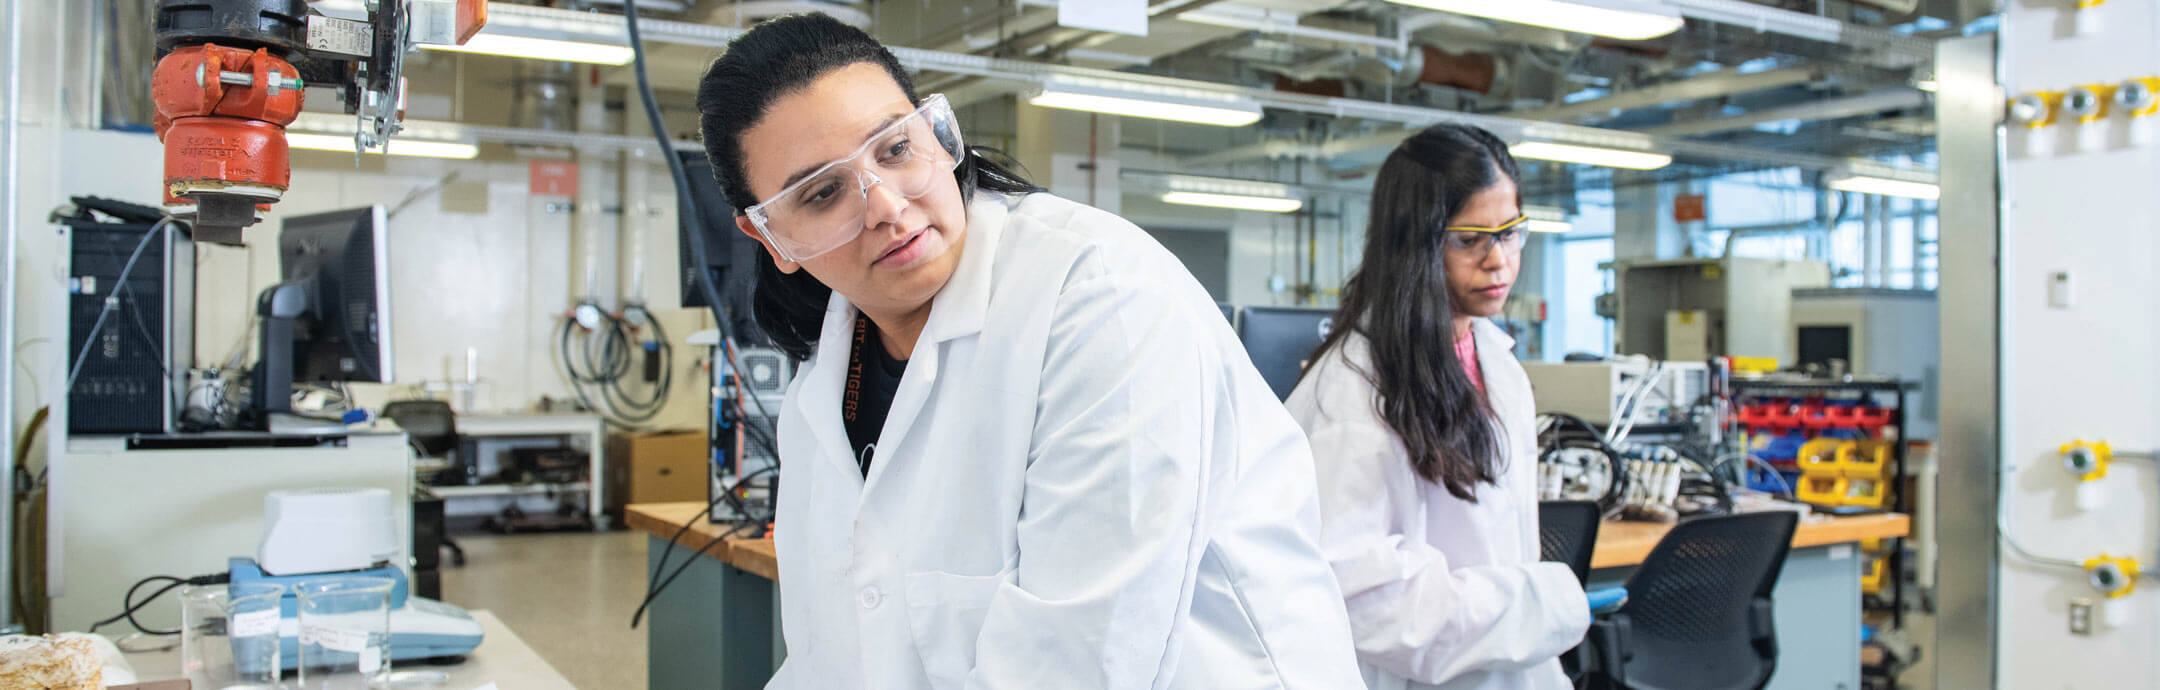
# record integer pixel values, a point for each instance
(1421, 426)
(1025, 450)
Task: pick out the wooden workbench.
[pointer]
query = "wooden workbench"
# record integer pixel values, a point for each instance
(717, 625)
(718, 628)
(1622, 544)
(664, 520)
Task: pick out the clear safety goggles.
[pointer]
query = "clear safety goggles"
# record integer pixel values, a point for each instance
(1479, 241)
(826, 208)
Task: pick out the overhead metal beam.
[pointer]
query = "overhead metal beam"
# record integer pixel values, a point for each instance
(1881, 46)
(1712, 85)
(1023, 72)
(1888, 100)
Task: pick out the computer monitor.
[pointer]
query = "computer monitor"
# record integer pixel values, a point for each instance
(1280, 340)
(329, 320)
(731, 258)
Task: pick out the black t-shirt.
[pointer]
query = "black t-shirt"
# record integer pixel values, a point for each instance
(873, 377)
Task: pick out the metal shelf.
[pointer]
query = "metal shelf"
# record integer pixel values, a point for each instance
(1757, 386)
(508, 489)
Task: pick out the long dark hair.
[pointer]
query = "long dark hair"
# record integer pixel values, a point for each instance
(772, 60)
(1399, 301)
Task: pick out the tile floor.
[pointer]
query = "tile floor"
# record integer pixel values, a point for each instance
(568, 594)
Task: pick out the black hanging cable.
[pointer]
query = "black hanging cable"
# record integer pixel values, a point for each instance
(129, 606)
(698, 251)
(655, 584)
(624, 399)
(699, 254)
(727, 495)
(607, 365)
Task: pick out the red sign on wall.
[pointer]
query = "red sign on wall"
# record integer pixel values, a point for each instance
(1687, 208)
(554, 178)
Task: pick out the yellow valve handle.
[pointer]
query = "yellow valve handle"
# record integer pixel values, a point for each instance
(2112, 576)
(2087, 461)
(2139, 95)
(2089, 102)
(2037, 109)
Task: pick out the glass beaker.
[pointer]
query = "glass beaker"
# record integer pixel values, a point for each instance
(344, 632)
(229, 635)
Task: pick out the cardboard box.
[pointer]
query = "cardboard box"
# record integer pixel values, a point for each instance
(666, 467)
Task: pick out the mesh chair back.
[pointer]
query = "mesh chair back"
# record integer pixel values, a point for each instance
(430, 424)
(1567, 533)
(1699, 607)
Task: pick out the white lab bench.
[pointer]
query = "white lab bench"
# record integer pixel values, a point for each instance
(587, 432)
(502, 659)
(121, 510)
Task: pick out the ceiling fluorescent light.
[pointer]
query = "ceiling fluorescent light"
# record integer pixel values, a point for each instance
(542, 49)
(1546, 219)
(1627, 21)
(1590, 155)
(1236, 201)
(1137, 100)
(1887, 187)
(398, 147)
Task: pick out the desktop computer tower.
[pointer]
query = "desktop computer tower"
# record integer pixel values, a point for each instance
(744, 447)
(134, 377)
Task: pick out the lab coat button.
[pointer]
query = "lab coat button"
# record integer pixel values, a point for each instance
(871, 597)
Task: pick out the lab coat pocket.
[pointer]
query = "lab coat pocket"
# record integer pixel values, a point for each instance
(946, 611)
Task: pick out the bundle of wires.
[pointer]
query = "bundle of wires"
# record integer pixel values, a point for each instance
(655, 584)
(1705, 491)
(1624, 414)
(1559, 431)
(699, 256)
(604, 361)
(752, 524)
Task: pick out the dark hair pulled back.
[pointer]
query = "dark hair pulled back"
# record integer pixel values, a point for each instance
(772, 60)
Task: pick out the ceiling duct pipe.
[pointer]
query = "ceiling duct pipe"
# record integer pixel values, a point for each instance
(1473, 72)
(1365, 77)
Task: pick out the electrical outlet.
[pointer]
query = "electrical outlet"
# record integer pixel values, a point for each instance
(2081, 612)
(2059, 293)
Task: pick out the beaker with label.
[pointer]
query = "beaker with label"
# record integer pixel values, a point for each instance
(229, 635)
(344, 632)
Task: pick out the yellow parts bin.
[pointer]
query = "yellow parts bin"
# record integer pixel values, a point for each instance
(1821, 481)
(1841, 472)
(1866, 466)
(1754, 365)
(1871, 574)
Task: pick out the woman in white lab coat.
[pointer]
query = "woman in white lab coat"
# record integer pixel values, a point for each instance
(1024, 449)
(1421, 425)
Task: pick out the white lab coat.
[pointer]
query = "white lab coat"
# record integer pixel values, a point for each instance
(1082, 483)
(1442, 592)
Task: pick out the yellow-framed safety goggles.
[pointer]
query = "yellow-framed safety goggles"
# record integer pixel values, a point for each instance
(1478, 240)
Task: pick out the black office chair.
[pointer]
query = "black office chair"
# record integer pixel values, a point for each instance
(1567, 533)
(431, 427)
(429, 424)
(1698, 613)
